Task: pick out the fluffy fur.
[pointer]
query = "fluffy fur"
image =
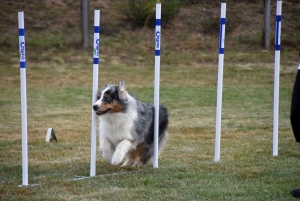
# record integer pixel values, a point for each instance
(126, 129)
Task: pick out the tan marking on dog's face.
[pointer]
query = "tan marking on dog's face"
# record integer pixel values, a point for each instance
(110, 104)
(116, 107)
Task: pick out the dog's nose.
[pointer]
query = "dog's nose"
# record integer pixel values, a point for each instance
(95, 107)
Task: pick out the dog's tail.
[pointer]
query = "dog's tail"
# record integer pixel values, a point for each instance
(162, 132)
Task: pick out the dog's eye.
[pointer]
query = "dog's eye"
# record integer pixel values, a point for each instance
(108, 100)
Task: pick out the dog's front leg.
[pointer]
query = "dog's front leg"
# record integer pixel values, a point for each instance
(121, 150)
(106, 149)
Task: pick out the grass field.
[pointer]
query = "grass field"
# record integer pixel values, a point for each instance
(59, 96)
(59, 88)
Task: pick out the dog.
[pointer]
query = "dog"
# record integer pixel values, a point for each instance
(126, 129)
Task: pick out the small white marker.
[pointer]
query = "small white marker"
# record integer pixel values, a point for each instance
(50, 134)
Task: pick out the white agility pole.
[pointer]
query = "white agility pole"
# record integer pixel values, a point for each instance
(220, 81)
(95, 90)
(156, 82)
(276, 77)
(23, 98)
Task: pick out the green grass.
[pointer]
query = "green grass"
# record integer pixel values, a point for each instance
(59, 97)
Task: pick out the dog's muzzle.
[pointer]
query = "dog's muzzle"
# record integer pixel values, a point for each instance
(96, 109)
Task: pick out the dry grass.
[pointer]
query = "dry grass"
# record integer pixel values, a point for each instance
(247, 171)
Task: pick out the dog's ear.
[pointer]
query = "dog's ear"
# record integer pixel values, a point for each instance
(122, 91)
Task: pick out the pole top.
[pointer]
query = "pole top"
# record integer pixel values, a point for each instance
(21, 19)
(223, 10)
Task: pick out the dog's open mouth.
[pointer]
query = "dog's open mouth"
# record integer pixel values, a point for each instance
(102, 112)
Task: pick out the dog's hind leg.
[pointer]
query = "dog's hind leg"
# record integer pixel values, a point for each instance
(134, 157)
(121, 150)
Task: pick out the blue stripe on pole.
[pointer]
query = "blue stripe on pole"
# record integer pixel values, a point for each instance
(96, 61)
(22, 64)
(157, 52)
(96, 29)
(158, 22)
(221, 50)
(278, 18)
(21, 32)
(222, 20)
(277, 45)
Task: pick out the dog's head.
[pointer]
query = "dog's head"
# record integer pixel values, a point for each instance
(111, 99)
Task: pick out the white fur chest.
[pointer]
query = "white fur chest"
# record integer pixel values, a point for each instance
(116, 127)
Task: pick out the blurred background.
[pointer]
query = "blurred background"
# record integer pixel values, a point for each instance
(190, 29)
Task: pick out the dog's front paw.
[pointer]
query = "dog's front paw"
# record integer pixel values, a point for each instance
(116, 159)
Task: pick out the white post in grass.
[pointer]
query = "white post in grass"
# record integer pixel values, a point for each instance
(23, 98)
(156, 83)
(220, 81)
(276, 78)
(95, 90)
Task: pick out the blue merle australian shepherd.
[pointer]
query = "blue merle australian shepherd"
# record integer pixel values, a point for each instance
(126, 129)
